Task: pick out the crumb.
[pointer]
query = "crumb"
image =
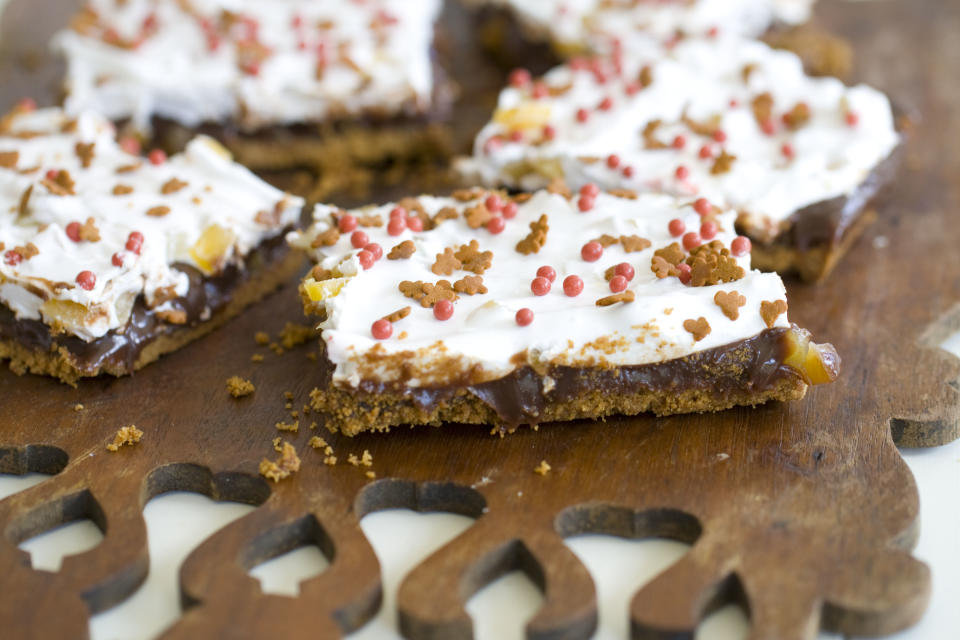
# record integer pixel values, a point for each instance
(371, 475)
(353, 459)
(287, 464)
(288, 406)
(276, 348)
(276, 444)
(257, 358)
(125, 435)
(312, 356)
(288, 395)
(317, 442)
(294, 414)
(313, 425)
(535, 427)
(330, 461)
(262, 338)
(78, 407)
(542, 469)
(293, 427)
(238, 387)
(294, 335)
(366, 459)
(328, 451)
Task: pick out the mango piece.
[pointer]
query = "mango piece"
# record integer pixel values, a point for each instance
(818, 363)
(212, 247)
(319, 290)
(529, 115)
(63, 314)
(218, 148)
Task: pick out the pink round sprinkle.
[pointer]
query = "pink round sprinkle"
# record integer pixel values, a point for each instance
(682, 173)
(12, 258)
(590, 189)
(703, 207)
(415, 224)
(359, 239)
(134, 242)
(117, 259)
(676, 227)
(586, 203)
(549, 132)
(519, 78)
(624, 269)
(382, 329)
(768, 126)
(540, 90)
(87, 280)
(592, 251)
(516, 135)
(628, 172)
(525, 317)
(740, 246)
(618, 284)
(606, 104)
(548, 272)
(366, 259)
(493, 203)
(374, 249)
(398, 212)
(613, 161)
(705, 152)
(691, 240)
(496, 225)
(852, 118)
(582, 115)
(157, 157)
(684, 270)
(347, 223)
(720, 135)
(572, 286)
(540, 286)
(679, 142)
(708, 230)
(443, 310)
(73, 231)
(509, 210)
(130, 144)
(787, 150)
(396, 226)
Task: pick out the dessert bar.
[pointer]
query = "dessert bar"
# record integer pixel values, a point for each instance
(557, 305)
(725, 118)
(298, 83)
(108, 260)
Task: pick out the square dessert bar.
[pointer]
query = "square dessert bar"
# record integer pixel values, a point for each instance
(724, 118)
(108, 260)
(584, 26)
(328, 84)
(481, 308)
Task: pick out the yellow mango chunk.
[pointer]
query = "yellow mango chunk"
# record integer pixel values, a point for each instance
(212, 247)
(819, 364)
(319, 290)
(530, 115)
(221, 150)
(63, 313)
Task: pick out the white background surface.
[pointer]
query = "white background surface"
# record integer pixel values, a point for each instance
(177, 523)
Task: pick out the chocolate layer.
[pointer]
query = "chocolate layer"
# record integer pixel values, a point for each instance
(752, 366)
(122, 348)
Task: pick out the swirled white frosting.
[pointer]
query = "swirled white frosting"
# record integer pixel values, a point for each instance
(482, 338)
(197, 208)
(594, 24)
(254, 63)
(714, 82)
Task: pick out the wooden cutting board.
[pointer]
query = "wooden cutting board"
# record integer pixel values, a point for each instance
(805, 513)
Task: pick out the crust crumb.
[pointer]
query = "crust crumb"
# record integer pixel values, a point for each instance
(542, 469)
(128, 435)
(294, 335)
(78, 407)
(239, 388)
(317, 442)
(292, 427)
(287, 464)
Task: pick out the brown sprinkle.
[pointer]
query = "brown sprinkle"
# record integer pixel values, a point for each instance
(770, 311)
(699, 328)
(158, 212)
(723, 163)
(327, 238)
(730, 303)
(402, 251)
(172, 186)
(446, 263)
(473, 259)
(9, 159)
(84, 151)
(398, 315)
(624, 296)
(536, 238)
(470, 285)
(122, 190)
(606, 240)
(426, 293)
(632, 244)
(477, 216)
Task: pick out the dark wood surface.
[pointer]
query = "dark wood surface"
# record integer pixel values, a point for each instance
(803, 513)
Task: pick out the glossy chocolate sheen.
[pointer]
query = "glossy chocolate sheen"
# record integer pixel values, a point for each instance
(122, 348)
(751, 366)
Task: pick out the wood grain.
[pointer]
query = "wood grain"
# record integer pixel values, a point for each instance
(804, 514)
